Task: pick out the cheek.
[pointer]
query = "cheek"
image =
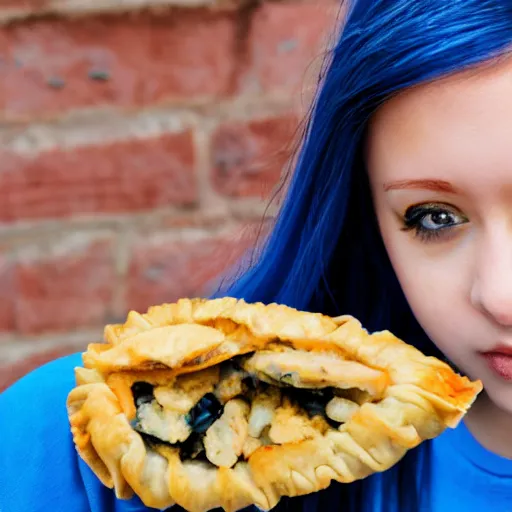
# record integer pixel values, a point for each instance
(434, 285)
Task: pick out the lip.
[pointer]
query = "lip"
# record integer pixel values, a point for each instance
(499, 360)
(506, 350)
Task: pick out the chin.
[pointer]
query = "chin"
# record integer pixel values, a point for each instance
(499, 394)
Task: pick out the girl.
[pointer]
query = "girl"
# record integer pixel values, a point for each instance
(399, 212)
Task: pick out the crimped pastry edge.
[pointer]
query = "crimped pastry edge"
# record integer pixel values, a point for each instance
(270, 474)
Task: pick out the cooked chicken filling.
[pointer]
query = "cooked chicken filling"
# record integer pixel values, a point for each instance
(169, 426)
(226, 413)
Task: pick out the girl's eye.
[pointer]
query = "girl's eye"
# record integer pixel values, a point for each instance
(431, 221)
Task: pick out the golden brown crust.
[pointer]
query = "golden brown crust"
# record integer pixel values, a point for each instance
(405, 399)
(317, 370)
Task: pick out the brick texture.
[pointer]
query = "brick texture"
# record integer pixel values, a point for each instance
(7, 296)
(24, 4)
(248, 157)
(66, 292)
(138, 150)
(53, 65)
(165, 270)
(128, 176)
(286, 40)
(15, 9)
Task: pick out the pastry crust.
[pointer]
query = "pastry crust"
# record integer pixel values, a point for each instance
(270, 402)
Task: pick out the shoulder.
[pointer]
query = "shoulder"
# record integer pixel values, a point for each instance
(40, 470)
(57, 376)
(38, 462)
(39, 399)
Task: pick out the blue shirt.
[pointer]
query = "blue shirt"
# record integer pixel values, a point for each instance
(41, 472)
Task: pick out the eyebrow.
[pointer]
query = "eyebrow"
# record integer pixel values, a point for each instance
(434, 185)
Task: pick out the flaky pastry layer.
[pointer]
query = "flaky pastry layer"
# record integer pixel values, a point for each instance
(132, 410)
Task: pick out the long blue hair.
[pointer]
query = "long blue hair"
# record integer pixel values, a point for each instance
(325, 252)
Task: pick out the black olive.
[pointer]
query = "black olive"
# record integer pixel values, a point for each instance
(204, 413)
(192, 448)
(313, 401)
(142, 393)
(314, 408)
(152, 440)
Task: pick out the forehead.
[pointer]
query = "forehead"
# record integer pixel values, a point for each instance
(456, 128)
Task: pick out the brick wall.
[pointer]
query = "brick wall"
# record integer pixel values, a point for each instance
(138, 149)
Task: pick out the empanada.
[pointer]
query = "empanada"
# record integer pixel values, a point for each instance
(220, 403)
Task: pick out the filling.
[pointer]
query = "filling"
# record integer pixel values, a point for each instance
(225, 413)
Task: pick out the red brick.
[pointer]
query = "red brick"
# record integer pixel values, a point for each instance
(68, 291)
(11, 373)
(51, 65)
(165, 271)
(248, 157)
(7, 296)
(23, 4)
(286, 39)
(128, 176)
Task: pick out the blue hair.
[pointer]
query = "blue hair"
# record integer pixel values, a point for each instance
(325, 252)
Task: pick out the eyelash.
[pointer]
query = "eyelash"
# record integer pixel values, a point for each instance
(416, 214)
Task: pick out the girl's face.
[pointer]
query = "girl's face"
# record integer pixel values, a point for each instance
(440, 165)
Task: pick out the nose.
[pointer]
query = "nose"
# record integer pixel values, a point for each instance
(491, 290)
